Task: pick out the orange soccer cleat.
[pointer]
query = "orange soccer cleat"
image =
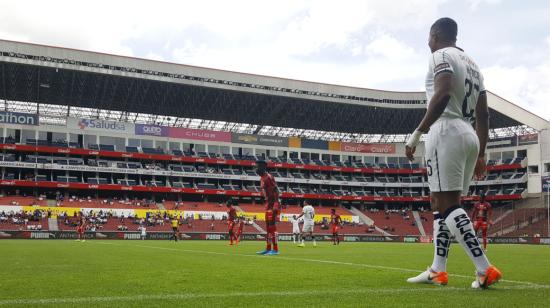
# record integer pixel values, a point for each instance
(492, 275)
(430, 277)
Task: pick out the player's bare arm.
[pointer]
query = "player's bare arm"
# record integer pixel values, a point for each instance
(438, 103)
(482, 131)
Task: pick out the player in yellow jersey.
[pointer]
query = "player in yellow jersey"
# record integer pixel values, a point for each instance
(175, 223)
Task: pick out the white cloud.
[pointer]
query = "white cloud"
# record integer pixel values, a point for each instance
(526, 87)
(389, 48)
(154, 56)
(474, 4)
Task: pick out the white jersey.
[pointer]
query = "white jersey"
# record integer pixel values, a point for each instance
(309, 213)
(295, 225)
(467, 81)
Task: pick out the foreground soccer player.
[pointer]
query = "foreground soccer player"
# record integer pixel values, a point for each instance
(231, 216)
(309, 222)
(270, 192)
(454, 151)
(335, 222)
(482, 217)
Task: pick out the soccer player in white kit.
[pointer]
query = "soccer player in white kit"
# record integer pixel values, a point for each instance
(454, 150)
(143, 234)
(295, 228)
(308, 214)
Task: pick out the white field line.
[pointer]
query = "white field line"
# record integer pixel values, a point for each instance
(319, 261)
(164, 297)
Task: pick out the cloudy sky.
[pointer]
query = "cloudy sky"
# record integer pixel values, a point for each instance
(375, 44)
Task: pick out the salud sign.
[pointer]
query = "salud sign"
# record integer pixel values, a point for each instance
(100, 125)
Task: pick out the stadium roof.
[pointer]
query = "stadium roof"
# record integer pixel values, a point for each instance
(59, 82)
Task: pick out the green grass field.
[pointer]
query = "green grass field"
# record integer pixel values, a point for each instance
(65, 273)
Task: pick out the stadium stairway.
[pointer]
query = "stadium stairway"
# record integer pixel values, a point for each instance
(540, 227)
(51, 202)
(52, 224)
(531, 203)
(501, 217)
(523, 225)
(160, 206)
(419, 223)
(367, 220)
(254, 224)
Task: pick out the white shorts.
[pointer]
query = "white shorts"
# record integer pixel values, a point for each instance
(452, 147)
(296, 231)
(308, 227)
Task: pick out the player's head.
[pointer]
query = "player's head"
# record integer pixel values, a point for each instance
(482, 196)
(443, 33)
(294, 216)
(261, 165)
(228, 203)
(333, 211)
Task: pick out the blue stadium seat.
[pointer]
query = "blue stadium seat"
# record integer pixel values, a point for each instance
(106, 147)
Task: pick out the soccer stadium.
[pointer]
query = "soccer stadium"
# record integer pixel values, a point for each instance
(129, 145)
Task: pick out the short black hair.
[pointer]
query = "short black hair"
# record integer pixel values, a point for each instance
(261, 162)
(446, 28)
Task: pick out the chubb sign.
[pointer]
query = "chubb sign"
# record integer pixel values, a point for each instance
(18, 118)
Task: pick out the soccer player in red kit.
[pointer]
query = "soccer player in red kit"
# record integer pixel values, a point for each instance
(268, 187)
(80, 227)
(272, 244)
(335, 222)
(240, 227)
(482, 217)
(231, 215)
(270, 192)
